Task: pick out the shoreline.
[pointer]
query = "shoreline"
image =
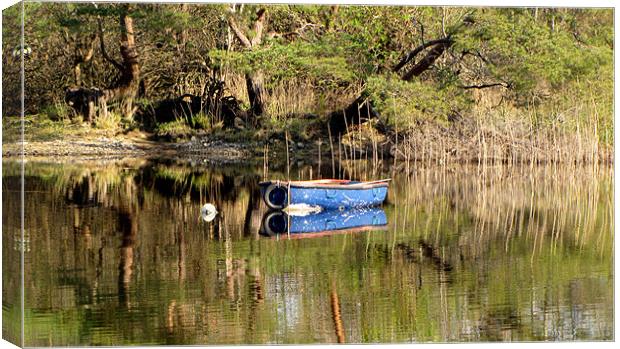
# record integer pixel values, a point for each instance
(111, 148)
(221, 152)
(464, 141)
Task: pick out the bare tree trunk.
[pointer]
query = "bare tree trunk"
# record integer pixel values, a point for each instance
(126, 88)
(254, 83)
(254, 80)
(131, 73)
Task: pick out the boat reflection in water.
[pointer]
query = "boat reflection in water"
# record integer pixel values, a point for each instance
(323, 223)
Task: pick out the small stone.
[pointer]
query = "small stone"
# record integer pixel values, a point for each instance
(193, 139)
(300, 145)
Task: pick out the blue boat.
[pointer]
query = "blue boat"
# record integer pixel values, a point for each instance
(323, 223)
(329, 194)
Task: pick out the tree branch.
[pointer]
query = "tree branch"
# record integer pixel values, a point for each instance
(419, 49)
(289, 35)
(428, 60)
(102, 46)
(259, 25)
(238, 33)
(479, 87)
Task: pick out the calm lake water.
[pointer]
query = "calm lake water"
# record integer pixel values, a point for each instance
(117, 253)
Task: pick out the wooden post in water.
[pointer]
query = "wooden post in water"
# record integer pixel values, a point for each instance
(265, 161)
(347, 156)
(331, 149)
(339, 156)
(319, 172)
(288, 163)
(395, 149)
(359, 133)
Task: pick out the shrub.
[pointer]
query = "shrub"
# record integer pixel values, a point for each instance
(173, 129)
(111, 121)
(58, 111)
(200, 121)
(401, 103)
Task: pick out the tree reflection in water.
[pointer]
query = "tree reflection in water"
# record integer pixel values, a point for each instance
(119, 255)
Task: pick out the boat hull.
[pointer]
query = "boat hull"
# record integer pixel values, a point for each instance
(327, 195)
(324, 222)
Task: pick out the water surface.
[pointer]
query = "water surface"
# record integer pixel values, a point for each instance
(117, 254)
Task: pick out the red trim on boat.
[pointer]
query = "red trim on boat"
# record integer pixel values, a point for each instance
(285, 236)
(332, 184)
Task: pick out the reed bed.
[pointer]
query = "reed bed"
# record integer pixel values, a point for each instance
(486, 140)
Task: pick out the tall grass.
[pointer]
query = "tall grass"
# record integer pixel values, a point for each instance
(108, 121)
(509, 135)
(294, 97)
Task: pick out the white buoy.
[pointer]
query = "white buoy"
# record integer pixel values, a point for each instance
(208, 212)
(17, 51)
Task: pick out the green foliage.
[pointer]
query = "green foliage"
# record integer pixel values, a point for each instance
(173, 129)
(199, 121)
(110, 121)
(402, 103)
(317, 62)
(524, 52)
(58, 111)
(186, 126)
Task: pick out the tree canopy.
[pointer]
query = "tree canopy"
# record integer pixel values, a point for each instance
(413, 62)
